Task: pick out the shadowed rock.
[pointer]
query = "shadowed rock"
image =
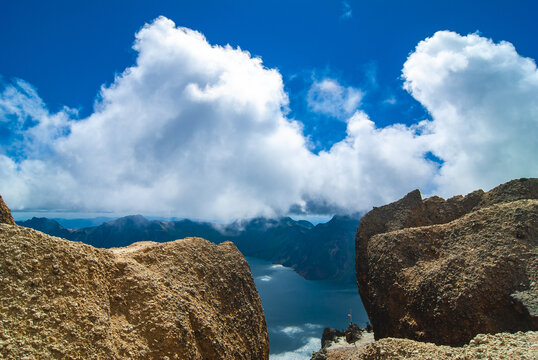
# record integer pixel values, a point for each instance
(445, 271)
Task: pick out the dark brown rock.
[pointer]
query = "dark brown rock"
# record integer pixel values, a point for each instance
(5, 213)
(445, 271)
(185, 299)
(353, 333)
(329, 336)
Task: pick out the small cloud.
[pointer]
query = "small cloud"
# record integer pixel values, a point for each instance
(370, 73)
(347, 12)
(291, 330)
(265, 278)
(390, 100)
(329, 98)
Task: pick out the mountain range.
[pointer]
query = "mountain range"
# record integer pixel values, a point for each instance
(321, 252)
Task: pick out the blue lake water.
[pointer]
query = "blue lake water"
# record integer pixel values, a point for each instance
(297, 310)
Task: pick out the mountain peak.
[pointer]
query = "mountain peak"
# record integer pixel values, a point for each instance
(137, 220)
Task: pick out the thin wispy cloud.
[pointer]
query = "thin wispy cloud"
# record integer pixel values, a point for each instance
(347, 11)
(329, 97)
(391, 100)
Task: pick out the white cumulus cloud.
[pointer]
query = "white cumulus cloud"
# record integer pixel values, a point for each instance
(191, 128)
(330, 98)
(199, 130)
(483, 100)
(370, 166)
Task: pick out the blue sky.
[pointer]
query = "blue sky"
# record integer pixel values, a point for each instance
(334, 58)
(68, 49)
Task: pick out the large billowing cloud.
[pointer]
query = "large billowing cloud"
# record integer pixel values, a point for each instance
(191, 129)
(201, 131)
(483, 99)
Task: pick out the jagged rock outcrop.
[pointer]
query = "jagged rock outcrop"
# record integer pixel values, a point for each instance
(444, 271)
(352, 334)
(5, 213)
(185, 299)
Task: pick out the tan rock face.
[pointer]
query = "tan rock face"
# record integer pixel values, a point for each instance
(186, 299)
(521, 345)
(5, 213)
(445, 271)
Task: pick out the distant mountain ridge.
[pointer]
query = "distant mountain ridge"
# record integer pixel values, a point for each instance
(321, 252)
(83, 222)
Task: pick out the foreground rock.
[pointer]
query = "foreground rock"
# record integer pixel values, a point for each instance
(444, 271)
(522, 346)
(186, 299)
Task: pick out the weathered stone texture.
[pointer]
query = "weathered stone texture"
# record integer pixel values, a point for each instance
(186, 299)
(444, 271)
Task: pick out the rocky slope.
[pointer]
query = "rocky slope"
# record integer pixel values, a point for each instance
(444, 271)
(321, 252)
(521, 346)
(185, 299)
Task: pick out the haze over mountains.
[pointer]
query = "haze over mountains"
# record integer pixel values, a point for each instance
(321, 252)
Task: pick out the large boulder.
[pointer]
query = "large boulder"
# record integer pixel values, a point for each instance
(445, 271)
(185, 299)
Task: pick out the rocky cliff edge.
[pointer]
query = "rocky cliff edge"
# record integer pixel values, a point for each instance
(186, 299)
